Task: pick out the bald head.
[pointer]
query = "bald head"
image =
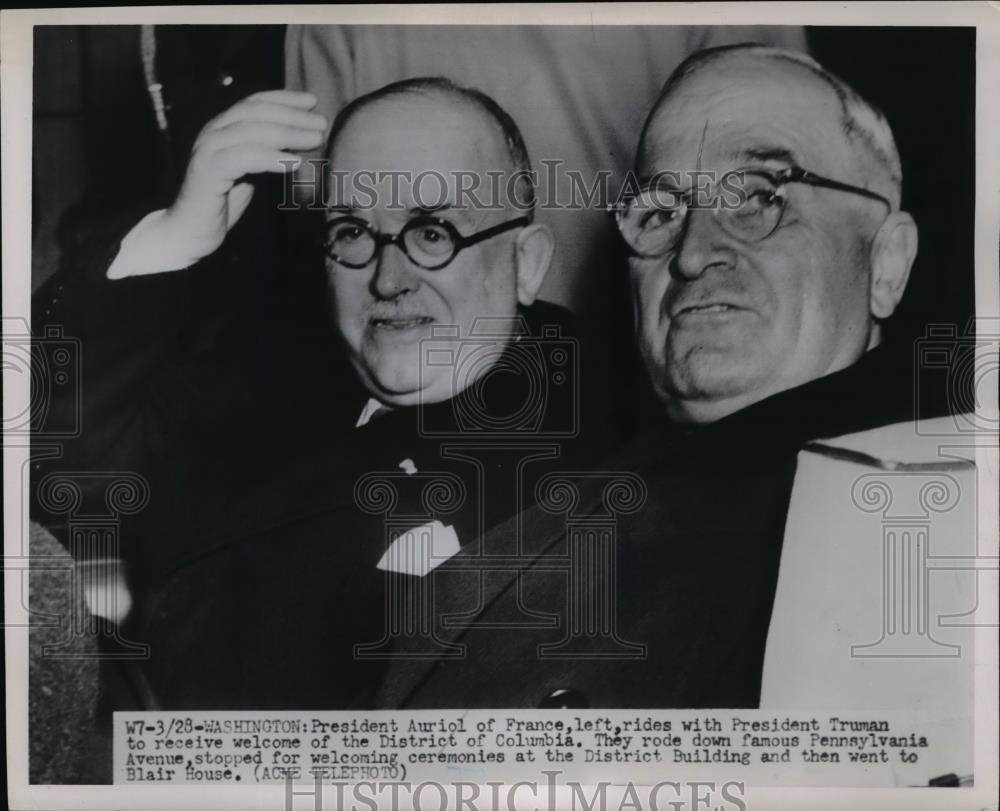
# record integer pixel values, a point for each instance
(436, 91)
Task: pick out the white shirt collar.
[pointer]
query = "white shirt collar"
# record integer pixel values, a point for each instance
(372, 407)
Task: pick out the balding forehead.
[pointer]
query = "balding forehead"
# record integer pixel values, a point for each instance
(739, 115)
(424, 106)
(782, 88)
(797, 83)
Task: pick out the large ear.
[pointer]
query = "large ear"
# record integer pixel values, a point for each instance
(892, 254)
(535, 248)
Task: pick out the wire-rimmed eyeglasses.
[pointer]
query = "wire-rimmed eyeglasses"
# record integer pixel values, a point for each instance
(748, 204)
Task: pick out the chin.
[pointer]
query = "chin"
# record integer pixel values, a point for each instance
(707, 371)
(711, 389)
(402, 382)
(405, 386)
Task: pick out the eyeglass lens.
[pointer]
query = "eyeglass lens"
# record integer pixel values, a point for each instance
(747, 205)
(353, 243)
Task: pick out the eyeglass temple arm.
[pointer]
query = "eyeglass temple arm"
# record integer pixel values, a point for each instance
(804, 176)
(464, 241)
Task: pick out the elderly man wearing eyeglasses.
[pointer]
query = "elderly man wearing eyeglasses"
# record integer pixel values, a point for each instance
(792, 279)
(747, 565)
(307, 471)
(410, 248)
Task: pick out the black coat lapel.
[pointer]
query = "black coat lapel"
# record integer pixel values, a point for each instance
(540, 530)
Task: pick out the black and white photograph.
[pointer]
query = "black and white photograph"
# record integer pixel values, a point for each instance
(599, 400)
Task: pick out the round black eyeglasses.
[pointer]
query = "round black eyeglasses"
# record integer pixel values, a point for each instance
(428, 242)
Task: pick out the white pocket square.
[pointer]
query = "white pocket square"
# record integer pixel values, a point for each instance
(420, 550)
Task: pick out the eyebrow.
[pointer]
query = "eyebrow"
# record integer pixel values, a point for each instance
(758, 154)
(429, 210)
(667, 179)
(341, 209)
(767, 155)
(643, 181)
(433, 211)
(426, 211)
(462, 215)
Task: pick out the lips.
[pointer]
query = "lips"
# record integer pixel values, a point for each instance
(705, 308)
(400, 322)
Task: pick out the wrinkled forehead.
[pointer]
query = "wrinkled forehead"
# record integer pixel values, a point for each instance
(749, 111)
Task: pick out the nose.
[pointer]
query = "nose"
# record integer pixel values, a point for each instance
(702, 245)
(394, 274)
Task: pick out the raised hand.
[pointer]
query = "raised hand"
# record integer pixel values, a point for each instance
(261, 133)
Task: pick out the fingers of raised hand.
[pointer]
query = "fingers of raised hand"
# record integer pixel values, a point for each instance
(273, 106)
(243, 159)
(259, 133)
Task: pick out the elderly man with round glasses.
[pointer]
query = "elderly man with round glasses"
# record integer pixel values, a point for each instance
(768, 249)
(305, 472)
(802, 251)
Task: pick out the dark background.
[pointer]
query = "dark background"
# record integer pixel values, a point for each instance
(924, 80)
(96, 140)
